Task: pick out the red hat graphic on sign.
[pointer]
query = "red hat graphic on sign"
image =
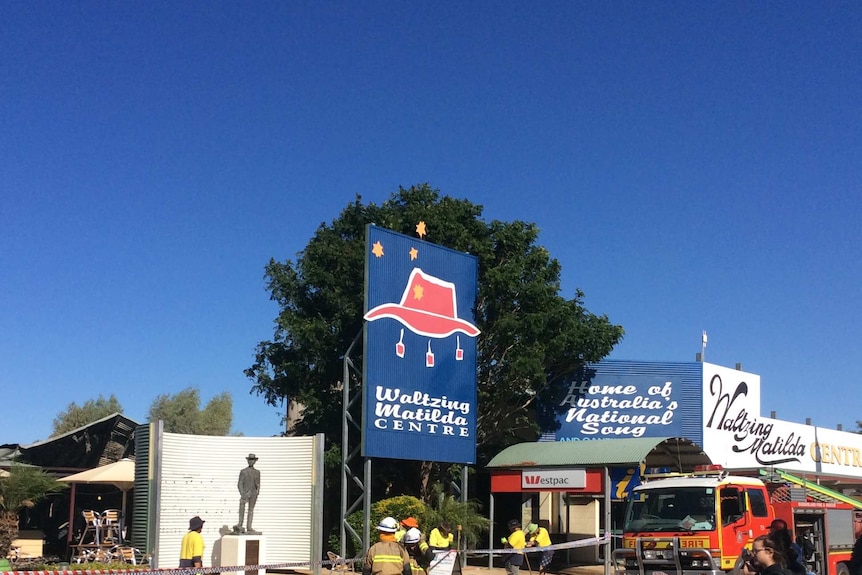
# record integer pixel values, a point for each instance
(427, 308)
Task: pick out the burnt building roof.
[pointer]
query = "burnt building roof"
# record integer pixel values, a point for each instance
(104, 441)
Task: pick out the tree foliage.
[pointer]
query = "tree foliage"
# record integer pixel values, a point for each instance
(181, 413)
(22, 488)
(532, 338)
(464, 516)
(75, 416)
(399, 507)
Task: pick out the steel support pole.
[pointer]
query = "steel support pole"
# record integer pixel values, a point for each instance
(346, 455)
(462, 557)
(491, 532)
(607, 519)
(366, 521)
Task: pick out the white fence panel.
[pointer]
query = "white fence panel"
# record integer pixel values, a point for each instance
(198, 476)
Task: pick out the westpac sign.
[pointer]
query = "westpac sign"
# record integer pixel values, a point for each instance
(553, 479)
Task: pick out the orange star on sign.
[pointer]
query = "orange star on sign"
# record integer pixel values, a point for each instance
(377, 250)
(418, 291)
(414, 253)
(420, 229)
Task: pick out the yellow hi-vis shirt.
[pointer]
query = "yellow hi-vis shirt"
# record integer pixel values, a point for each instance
(517, 540)
(440, 541)
(541, 537)
(191, 547)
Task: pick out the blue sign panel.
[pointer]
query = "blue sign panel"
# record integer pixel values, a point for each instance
(420, 350)
(624, 480)
(607, 403)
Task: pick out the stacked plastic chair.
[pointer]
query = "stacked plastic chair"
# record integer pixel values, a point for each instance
(110, 526)
(92, 527)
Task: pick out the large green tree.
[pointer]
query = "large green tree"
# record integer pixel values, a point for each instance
(532, 338)
(75, 416)
(181, 413)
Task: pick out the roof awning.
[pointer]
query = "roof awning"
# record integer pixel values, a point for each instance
(675, 453)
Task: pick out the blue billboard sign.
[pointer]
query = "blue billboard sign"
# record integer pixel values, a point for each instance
(419, 376)
(607, 403)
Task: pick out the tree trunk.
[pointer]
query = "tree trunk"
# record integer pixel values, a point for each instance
(8, 531)
(425, 490)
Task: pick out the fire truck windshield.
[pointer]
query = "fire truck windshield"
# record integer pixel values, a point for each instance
(671, 509)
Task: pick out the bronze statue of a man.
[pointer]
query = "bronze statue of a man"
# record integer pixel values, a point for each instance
(249, 487)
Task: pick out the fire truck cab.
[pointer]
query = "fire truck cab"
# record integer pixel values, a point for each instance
(698, 523)
(693, 524)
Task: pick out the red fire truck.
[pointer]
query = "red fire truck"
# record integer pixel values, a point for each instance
(698, 524)
(822, 521)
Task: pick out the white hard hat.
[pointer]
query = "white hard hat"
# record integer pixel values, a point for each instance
(413, 535)
(387, 525)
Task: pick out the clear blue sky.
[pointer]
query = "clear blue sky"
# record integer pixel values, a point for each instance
(694, 166)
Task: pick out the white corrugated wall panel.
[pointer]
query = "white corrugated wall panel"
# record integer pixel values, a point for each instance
(198, 476)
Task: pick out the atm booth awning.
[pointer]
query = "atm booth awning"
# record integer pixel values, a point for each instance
(676, 453)
(511, 467)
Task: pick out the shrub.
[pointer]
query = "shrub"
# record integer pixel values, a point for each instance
(398, 507)
(467, 515)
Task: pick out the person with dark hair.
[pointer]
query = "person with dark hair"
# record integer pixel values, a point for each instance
(441, 537)
(192, 547)
(516, 542)
(766, 557)
(792, 551)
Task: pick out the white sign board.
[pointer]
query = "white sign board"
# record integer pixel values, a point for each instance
(731, 415)
(442, 563)
(737, 437)
(544, 479)
(197, 475)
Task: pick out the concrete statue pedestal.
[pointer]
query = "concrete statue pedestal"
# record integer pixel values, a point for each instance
(243, 549)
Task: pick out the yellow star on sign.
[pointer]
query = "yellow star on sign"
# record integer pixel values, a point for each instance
(420, 229)
(414, 253)
(377, 250)
(418, 291)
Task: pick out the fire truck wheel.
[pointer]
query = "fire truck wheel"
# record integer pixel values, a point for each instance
(842, 569)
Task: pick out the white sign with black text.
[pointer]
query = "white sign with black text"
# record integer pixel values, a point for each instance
(736, 436)
(553, 479)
